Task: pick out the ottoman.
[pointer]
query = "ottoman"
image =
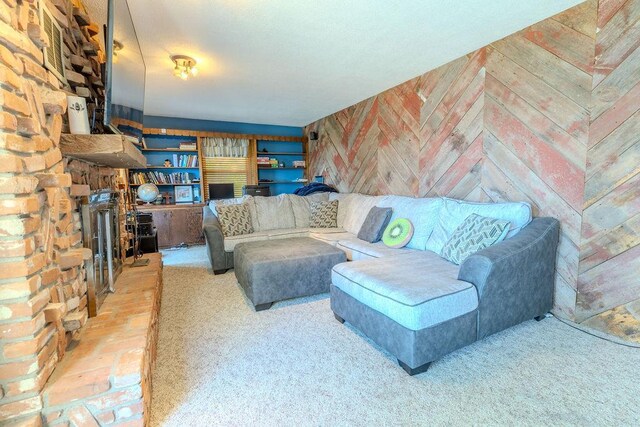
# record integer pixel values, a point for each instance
(274, 270)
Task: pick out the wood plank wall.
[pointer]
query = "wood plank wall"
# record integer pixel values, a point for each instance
(610, 249)
(538, 90)
(513, 121)
(420, 138)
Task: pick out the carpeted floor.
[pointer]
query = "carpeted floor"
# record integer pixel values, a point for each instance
(221, 363)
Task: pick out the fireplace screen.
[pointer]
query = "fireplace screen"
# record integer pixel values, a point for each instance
(101, 231)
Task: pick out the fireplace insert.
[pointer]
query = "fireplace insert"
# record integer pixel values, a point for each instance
(101, 232)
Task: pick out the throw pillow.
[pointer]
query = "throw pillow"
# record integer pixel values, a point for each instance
(374, 224)
(324, 214)
(235, 220)
(475, 233)
(398, 234)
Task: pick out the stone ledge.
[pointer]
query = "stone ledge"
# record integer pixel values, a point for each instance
(106, 378)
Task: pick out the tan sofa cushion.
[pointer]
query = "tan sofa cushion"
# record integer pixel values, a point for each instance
(273, 213)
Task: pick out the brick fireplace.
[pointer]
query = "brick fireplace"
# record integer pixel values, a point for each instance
(44, 322)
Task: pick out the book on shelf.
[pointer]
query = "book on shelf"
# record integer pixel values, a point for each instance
(188, 146)
(159, 178)
(185, 161)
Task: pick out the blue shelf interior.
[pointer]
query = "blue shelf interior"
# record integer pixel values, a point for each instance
(282, 174)
(155, 160)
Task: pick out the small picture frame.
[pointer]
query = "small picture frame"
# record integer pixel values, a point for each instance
(184, 194)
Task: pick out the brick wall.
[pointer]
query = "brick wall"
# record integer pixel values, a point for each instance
(42, 279)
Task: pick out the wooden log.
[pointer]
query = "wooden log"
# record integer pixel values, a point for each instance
(93, 29)
(75, 79)
(60, 15)
(89, 49)
(69, 41)
(83, 91)
(96, 81)
(79, 62)
(61, 5)
(82, 18)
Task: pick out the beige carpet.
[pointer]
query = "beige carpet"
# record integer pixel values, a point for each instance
(220, 363)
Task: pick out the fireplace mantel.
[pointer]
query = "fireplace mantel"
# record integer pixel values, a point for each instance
(116, 151)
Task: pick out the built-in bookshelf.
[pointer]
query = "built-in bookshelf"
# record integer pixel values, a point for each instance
(291, 160)
(173, 161)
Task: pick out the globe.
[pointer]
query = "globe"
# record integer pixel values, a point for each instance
(148, 192)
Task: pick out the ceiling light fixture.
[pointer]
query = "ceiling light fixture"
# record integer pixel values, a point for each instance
(185, 66)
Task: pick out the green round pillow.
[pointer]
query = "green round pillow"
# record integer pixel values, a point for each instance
(398, 233)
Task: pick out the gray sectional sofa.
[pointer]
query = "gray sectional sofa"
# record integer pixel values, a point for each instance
(415, 304)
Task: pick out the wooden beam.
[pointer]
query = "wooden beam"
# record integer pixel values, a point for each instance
(205, 134)
(117, 151)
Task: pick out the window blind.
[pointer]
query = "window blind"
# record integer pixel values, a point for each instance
(221, 170)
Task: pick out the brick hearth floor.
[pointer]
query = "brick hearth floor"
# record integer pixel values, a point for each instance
(106, 378)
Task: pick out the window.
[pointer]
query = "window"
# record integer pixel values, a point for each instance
(220, 170)
(225, 160)
(53, 53)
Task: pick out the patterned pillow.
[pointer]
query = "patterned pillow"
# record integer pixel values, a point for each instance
(324, 214)
(235, 220)
(475, 233)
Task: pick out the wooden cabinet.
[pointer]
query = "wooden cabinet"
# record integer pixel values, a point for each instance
(177, 224)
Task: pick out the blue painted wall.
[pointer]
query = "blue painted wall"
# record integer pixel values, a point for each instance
(126, 113)
(218, 126)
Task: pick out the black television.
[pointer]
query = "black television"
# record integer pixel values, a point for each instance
(221, 191)
(125, 70)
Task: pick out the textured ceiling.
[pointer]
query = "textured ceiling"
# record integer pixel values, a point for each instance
(291, 62)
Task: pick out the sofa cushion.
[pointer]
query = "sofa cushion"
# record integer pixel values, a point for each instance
(374, 224)
(454, 212)
(343, 204)
(231, 242)
(417, 290)
(273, 212)
(324, 214)
(357, 208)
(357, 249)
(474, 234)
(330, 235)
(234, 219)
(285, 233)
(301, 206)
(422, 212)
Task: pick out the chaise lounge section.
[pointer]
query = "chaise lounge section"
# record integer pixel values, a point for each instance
(421, 307)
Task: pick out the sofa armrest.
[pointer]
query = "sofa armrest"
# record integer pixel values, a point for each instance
(514, 278)
(214, 240)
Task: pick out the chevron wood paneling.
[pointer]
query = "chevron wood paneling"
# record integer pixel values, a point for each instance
(536, 123)
(423, 137)
(610, 249)
(550, 115)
